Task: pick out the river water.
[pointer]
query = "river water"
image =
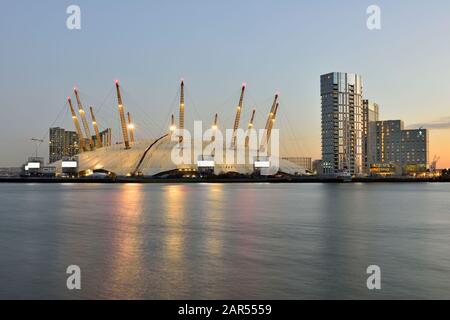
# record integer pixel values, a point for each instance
(225, 241)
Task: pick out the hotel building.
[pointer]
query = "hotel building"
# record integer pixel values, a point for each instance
(406, 151)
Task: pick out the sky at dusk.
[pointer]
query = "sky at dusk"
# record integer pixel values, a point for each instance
(215, 46)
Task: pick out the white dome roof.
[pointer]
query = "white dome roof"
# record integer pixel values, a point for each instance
(151, 157)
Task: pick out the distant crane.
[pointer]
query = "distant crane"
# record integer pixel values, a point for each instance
(38, 142)
(433, 165)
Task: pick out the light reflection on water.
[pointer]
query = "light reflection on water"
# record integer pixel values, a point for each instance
(127, 243)
(174, 200)
(225, 240)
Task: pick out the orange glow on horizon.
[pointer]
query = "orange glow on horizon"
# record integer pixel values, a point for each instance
(439, 141)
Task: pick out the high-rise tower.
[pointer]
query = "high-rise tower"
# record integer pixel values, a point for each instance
(342, 123)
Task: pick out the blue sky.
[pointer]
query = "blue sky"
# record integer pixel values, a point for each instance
(271, 45)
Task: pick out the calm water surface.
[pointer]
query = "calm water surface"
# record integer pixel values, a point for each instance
(225, 241)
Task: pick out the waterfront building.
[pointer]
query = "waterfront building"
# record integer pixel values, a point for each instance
(104, 138)
(370, 118)
(407, 150)
(388, 141)
(342, 123)
(34, 166)
(10, 172)
(62, 143)
(414, 151)
(317, 166)
(383, 169)
(303, 162)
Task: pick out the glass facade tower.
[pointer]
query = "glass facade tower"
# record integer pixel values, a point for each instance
(342, 123)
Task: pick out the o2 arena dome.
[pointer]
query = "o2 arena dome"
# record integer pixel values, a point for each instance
(155, 157)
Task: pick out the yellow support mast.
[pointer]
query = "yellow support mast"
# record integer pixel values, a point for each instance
(181, 119)
(238, 115)
(109, 137)
(77, 126)
(84, 120)
(173, 126)
(123, 122)
(214, 127)
(214, 131)
(131, 127)
(250, 126)
(99, 142)
(272, 121)
(268, 122)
